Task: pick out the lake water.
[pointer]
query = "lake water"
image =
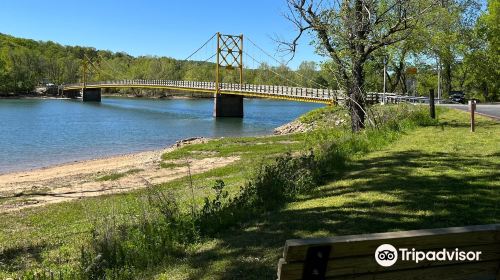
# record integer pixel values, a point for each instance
(40, 132)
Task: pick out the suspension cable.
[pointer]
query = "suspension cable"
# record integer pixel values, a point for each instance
(99, 69)
(194, 66)
(202, 46)
(270, 70)
(118, 72)
(109, 65)
(295, 72)
(273, 58)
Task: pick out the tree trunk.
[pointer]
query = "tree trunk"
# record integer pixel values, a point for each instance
(399, 73)
(357, 101)
(397, 78)
(404, 88)
(485, 92)
(356, 86)
(446, 79)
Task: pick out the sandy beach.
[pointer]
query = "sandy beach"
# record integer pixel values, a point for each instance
(39, 187)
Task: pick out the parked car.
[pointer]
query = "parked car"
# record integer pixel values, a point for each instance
(457, 97)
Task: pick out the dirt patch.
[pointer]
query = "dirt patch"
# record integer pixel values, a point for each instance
(66, 182)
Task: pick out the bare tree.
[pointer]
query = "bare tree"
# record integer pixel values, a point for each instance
(349, 31)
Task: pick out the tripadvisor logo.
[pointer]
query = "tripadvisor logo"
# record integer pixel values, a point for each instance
(387, 255)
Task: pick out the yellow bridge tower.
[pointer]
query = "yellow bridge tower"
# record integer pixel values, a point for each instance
(229, 56)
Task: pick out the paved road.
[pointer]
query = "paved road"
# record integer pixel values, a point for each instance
(492, 110)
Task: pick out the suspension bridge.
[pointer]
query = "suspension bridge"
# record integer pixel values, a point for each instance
(228, 97)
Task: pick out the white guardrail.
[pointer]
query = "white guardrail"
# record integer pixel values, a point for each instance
(271, 90)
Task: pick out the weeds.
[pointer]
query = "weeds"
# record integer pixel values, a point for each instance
(121, 249)
(116, 176)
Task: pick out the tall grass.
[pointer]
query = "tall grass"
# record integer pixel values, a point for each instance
(120, 249)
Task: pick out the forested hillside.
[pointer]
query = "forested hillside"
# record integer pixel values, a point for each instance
(25, 63)
(463, 43)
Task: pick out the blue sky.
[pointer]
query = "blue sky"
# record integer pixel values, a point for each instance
(163, 28)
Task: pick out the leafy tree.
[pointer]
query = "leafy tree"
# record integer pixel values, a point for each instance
(350, 31)
(308, 74)
(483, 57)
(447, 36)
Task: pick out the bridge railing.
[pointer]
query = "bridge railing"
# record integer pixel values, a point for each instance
(313, 93)
(263, 90)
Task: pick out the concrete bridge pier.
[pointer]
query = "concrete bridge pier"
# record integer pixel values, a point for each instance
(92, 94)
(228, 105)
(73, 94)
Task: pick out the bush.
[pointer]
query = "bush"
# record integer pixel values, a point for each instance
(164, 230)
(119, 248)
(281, 181)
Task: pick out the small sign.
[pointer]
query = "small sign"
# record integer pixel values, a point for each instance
(411, 70)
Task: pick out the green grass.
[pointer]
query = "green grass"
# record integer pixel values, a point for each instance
(433, 176)
(118, 175)
(324, 116)
(437, 176)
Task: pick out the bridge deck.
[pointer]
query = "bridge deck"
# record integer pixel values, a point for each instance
(326, 96)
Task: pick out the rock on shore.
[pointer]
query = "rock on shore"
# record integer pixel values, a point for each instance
(295, 126)
(298, 126)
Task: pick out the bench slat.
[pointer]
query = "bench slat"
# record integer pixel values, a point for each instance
(360, 265)
(352, 257)
(471, 271)
(365, 244)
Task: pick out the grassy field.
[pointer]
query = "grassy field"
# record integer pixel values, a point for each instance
(435, 176)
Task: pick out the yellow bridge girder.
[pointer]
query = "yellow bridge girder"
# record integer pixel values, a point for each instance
(209, 91)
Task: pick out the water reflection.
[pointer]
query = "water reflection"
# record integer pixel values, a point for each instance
(228, 126)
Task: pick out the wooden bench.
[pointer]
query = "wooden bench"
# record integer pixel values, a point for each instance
(353, 256)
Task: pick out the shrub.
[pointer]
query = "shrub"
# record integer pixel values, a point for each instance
(119, 248)
(276, 183)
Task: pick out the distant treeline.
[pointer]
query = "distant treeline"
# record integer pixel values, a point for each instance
(26, 63)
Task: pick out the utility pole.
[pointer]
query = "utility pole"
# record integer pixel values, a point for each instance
(385, 71)
(385, 80)
(439, 79)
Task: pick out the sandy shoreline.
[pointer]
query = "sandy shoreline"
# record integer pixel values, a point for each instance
(39, 186)
(84, 160)
(64, 182)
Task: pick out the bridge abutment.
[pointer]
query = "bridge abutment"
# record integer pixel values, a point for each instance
(92, 94)
(228, 105)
